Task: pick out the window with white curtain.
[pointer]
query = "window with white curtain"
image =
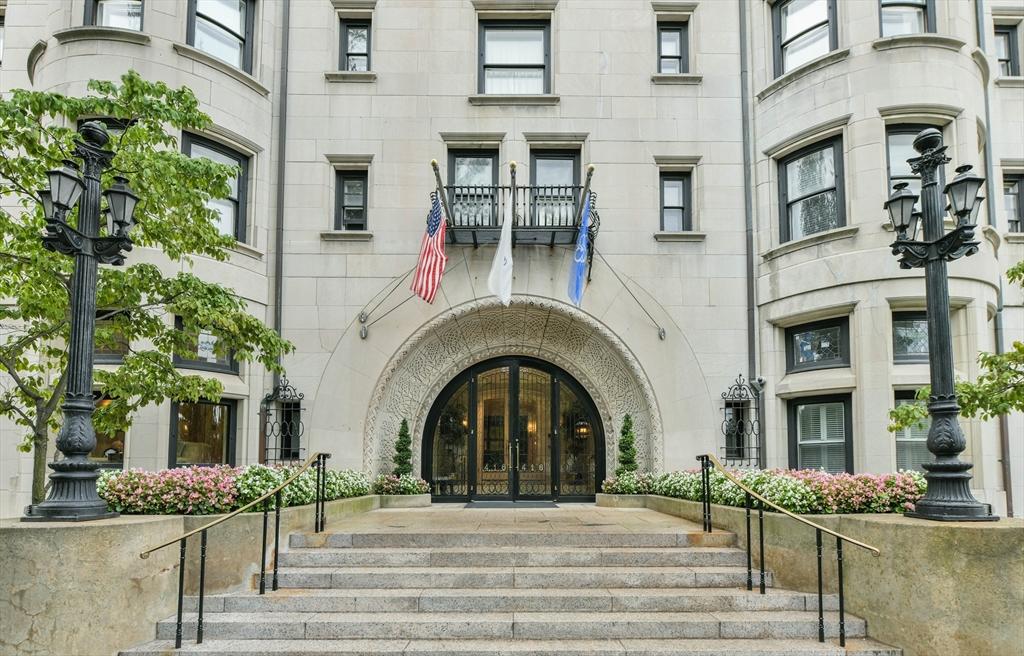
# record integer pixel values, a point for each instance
(804, 30)
(811, 190)
(911, 442)
(819, 431)
(515, 58)
(125, 14)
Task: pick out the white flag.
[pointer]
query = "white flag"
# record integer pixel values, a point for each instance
(500, 279)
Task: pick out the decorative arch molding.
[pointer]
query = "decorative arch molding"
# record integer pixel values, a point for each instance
(532, 326)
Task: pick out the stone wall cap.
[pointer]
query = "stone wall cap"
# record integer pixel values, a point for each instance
(89, 32)
(677, 78)
(350, 76)
(918, 40)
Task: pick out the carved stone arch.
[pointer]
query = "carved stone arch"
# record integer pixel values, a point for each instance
(531, 326)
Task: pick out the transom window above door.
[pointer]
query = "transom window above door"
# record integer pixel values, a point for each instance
(515, 58)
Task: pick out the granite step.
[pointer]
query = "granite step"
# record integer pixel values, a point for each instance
(445, 539)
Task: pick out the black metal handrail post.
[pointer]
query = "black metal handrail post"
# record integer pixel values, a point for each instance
(316, 498)
(277, 536)
(842, 607)
(263, 552)
(181, 593)
(202, 586)
(760, 541)
(750, 580)
(821, 598)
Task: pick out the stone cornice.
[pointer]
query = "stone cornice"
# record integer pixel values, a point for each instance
(98, 32)
(677, 78)
(350, 76)
(470, 139)
(346, 235)
(807, 135)
(515, 5)
(222, 66)
(918, 40)
(34, 55)
(792, 76)
(556, 138)
(511, 100)
(914, 109)
(813, 240)
(351, 162)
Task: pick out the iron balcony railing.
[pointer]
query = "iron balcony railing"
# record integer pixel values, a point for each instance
(534, 207)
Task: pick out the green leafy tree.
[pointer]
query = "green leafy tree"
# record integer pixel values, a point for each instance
(999, 389)
(37, 131)
(627, 448)
(403, 451)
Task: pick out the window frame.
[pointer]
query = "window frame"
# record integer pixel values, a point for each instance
(907, 315)
(454, 153)
(683, 28)
(340, 176)
(346, 24)
(687, 179)
(1013, 47)
(241, 218)
(232, 366)
(3, 32)
(92, 12)
(1015, 224)
(836, 143)
(833, 37)
(906, 395)
(791, 406)
(550, 153)
(843, 323)
(484, 25)
(113, 357)
(929, 14)
(904, 128)
(247, 36)
(232, 438)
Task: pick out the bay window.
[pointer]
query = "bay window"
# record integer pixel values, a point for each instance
(804, 30)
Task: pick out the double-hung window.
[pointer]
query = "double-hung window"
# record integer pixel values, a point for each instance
(473, 187)
(899, 141)
(818, 345)
(907, 17)
(350, 200)
(820, 433)
(515, 58)
(230, 210)
(1007, 50)
(1013, 185)
(804, 30)
(676, 213)
(2, 17)
(910, 337)
(126, 14)
(223, 29)
(555, 184)
(911, 442)
(355, 45)
(672, 48)
(202, 433)
(811, 190)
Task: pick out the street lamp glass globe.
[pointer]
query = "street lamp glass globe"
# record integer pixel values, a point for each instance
(65, 185)
(901, 208)
(121, 201)
(963, 190)
(47, 201)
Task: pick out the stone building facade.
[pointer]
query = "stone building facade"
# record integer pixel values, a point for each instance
(742, 152)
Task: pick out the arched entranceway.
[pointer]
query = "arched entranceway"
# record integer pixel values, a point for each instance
(513, 428)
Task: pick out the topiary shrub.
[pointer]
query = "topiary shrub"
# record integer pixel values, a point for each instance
(627, 448)
(403, 451)
(404, 484)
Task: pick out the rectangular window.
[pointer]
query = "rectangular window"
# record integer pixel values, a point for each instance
(818, 345)
(515, 58)
(676, 215)
(111, 344)
(109, 449)
(811, 190)
(900, 148)
(804, 30)
(907, 17)
(910, 336)
(820, 434)
(473, 180)
(555, 182)
(355, 45)
(1007, 52)
(231, 210)
(202, 433)
(673, 48)
(350, 200)
(1012, 187)
(207, 356)
(125, 14)
(2, 17)
(911, 443)
(223, 29)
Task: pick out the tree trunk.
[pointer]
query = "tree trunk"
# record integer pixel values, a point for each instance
(40, 442)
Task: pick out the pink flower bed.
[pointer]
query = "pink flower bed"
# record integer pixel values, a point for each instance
(181, 491)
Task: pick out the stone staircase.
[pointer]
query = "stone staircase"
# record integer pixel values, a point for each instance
(506, 587)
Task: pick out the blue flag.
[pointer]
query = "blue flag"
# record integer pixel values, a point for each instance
(578, 271)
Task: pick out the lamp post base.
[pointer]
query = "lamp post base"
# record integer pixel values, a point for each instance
(73, 497)
(949, 497)
(978, 512)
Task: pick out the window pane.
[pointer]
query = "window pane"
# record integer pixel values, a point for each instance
(817, 345)
(202, 433)
(814, 214)
(199, 150)
(821, 436)
(672, 191)
(901, 148)
(902, 20)
(910, 337)
(911, 446)
(554, 172)
(474, 171)
(1011, 199)
(800, 15)
(827, 457)
(218, 43)
(514, 80)
(109, 449)
(1002, 45)
(358, 63)
(229, 13)
(225, 208)
(810, 46)
(522, 46)
(671, 43)
(357, 39)
(126, 14)
(354, 192)
(672, 220)
(110, 340)
(354, 215)
(812, 172)
(669, 65)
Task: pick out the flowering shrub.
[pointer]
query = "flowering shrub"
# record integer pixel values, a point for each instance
(211, 490)
(404, 484)
(799, 491)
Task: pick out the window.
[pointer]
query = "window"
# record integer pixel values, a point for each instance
(202, 433)
(672, 48)
(820, 433)
(811, 190)
(514, 58)
(1, 37)
(125, 14)
(1007, 53)
(1012, 186)
(911, 443)
(111, 343)
(900, 148)
(907, 17)
(804, 30)
(109, 449)
(206, 354)
(355, 45)
(675, 202)
(231, 209)
(473, 176)
(350, 200)
(555, 181)
(223, 29)
(910, 336)
(818, 345)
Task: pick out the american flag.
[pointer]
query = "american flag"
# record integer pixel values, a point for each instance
(432, 258)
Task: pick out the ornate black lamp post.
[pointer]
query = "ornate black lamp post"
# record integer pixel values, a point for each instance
(949, 495)
(73, 494)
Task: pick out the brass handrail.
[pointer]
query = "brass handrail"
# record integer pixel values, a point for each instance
(782, 510)
(304, 467)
